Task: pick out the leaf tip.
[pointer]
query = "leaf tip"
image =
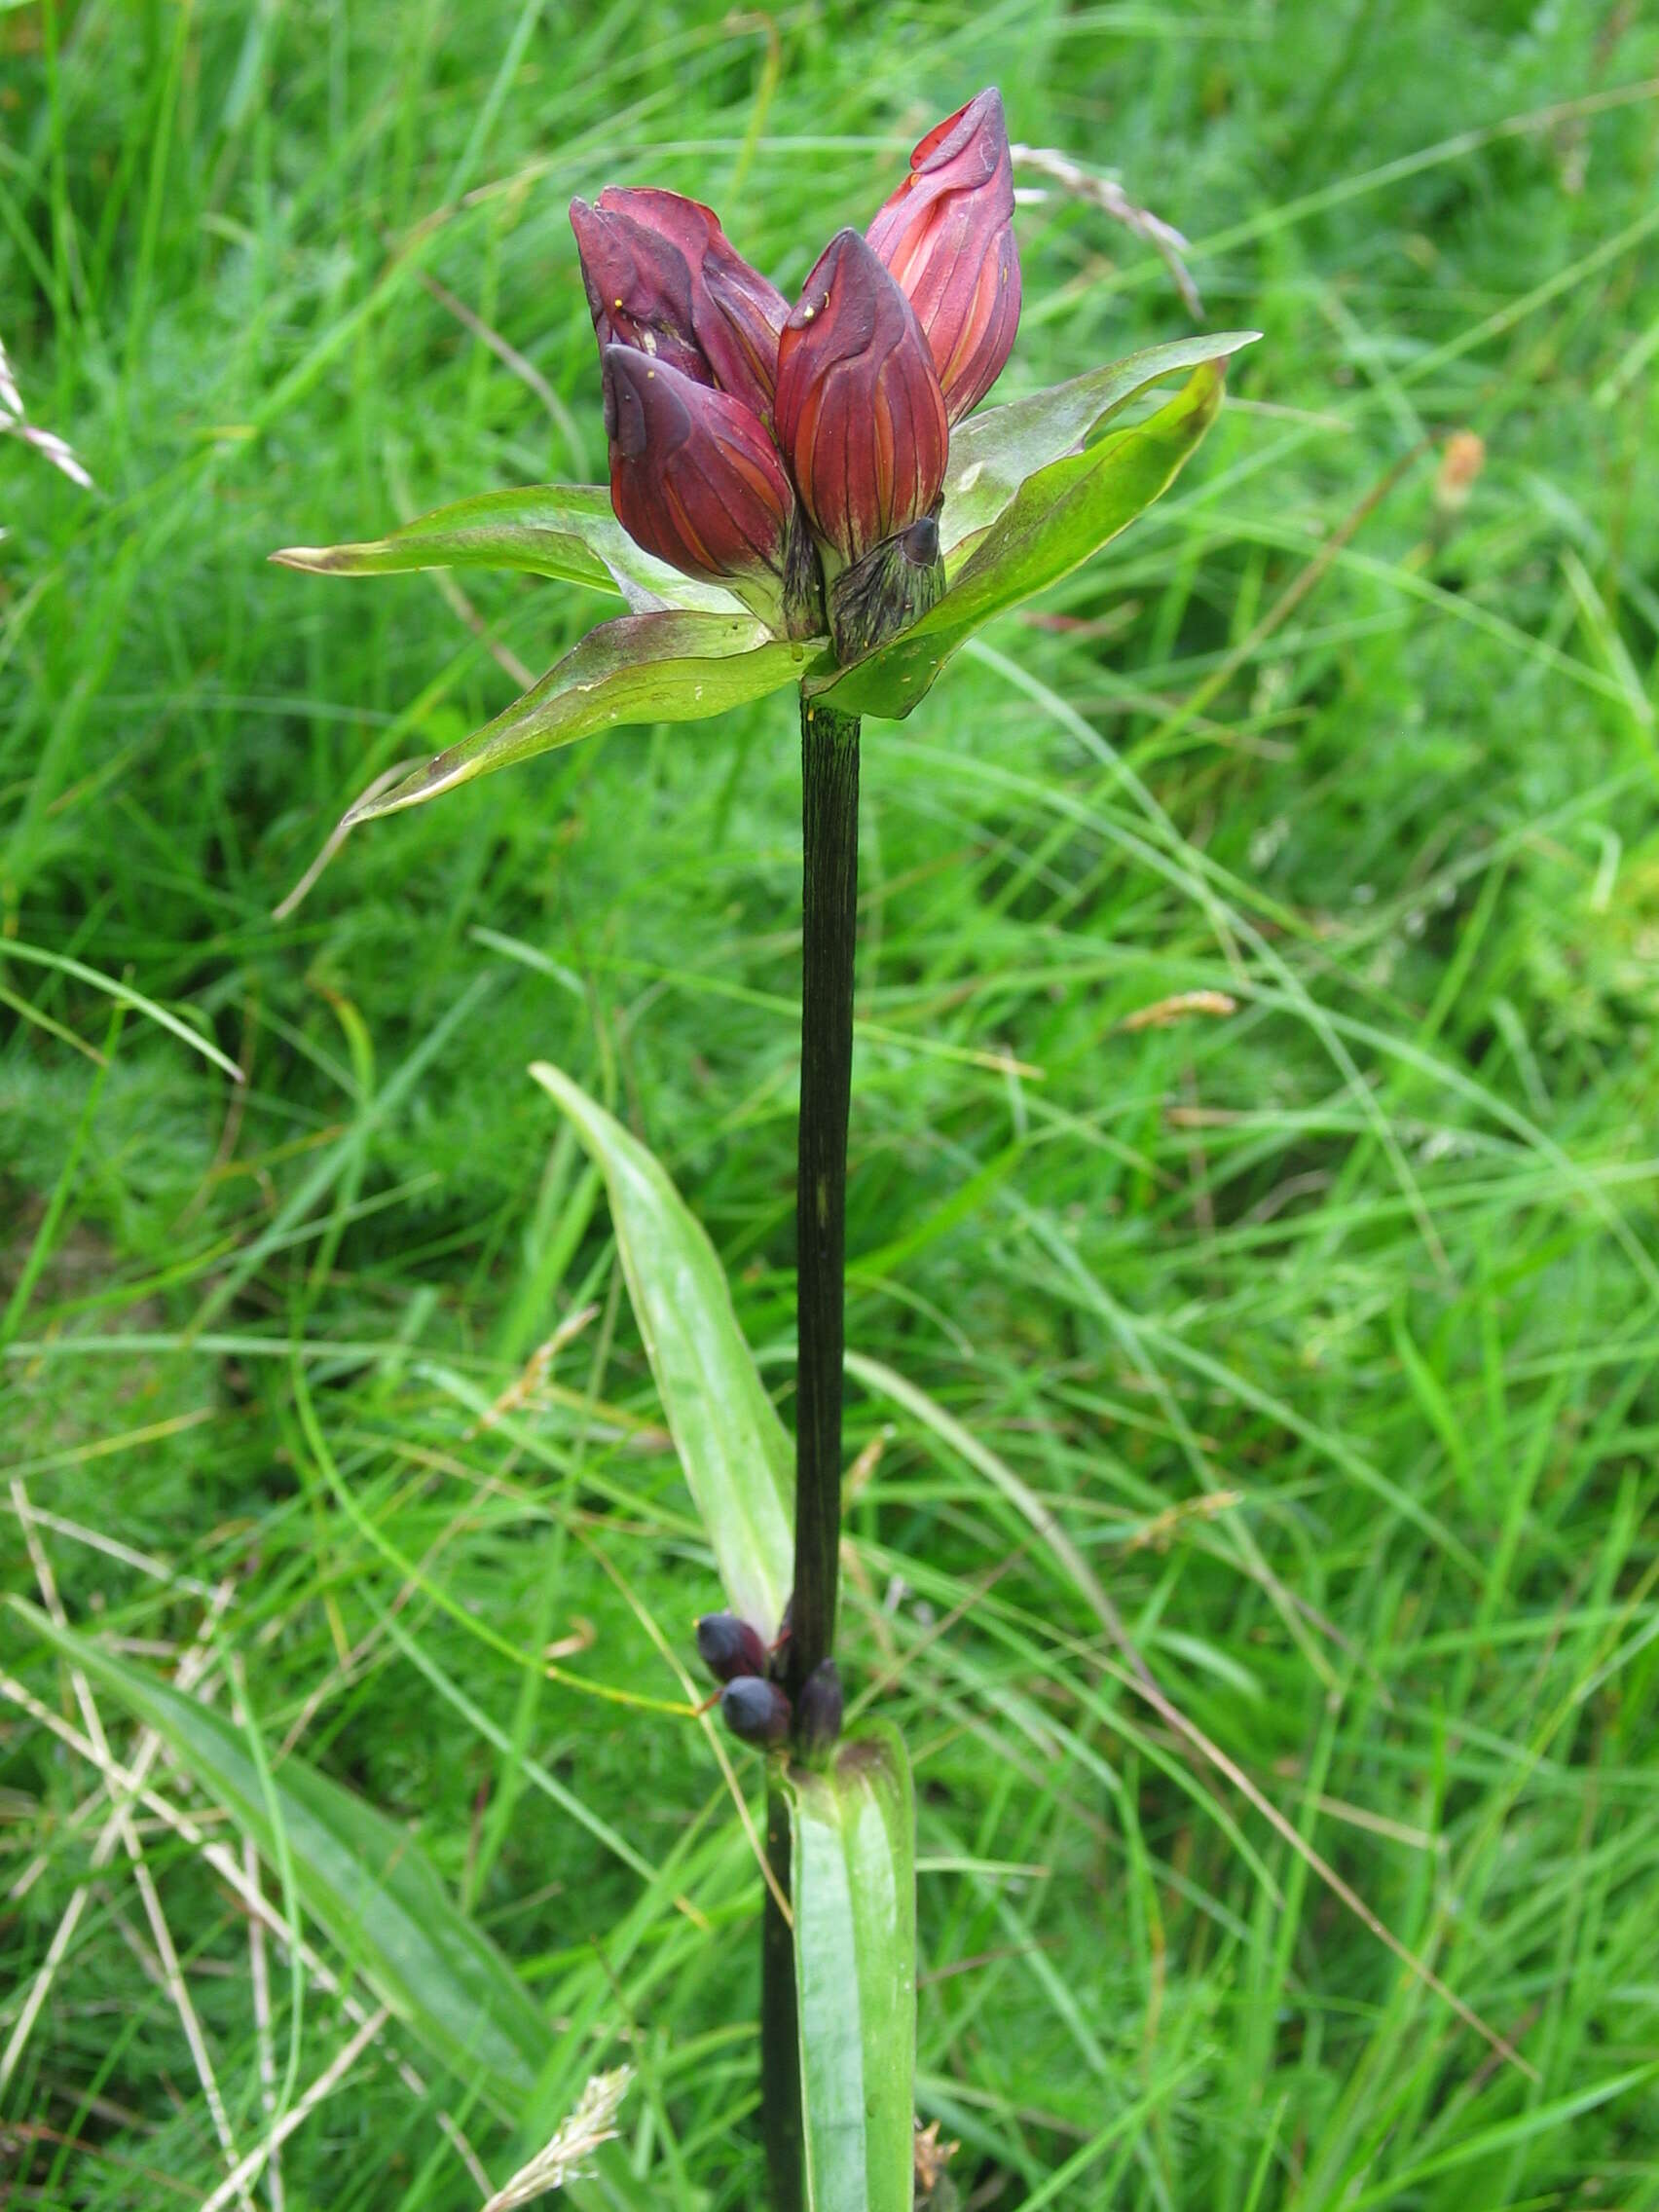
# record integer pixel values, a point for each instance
(314, 560)
(565, 1094)
(370, 805)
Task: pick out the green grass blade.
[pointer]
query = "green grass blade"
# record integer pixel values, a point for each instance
(124, 995)
(670, 667)
(853, 1877)
(733, 1448)
(360, 1875)
(1055, 521)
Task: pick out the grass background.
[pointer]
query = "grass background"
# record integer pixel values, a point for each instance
(1368, 1264)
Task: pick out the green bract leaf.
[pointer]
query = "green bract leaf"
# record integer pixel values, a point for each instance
(361, 1876)
(1057, 519)
(853, 1888)
(642, 668)
(991, 454)
(737, 1460)
(565, 530)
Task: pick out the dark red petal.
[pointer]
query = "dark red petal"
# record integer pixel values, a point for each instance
(947, 236)
(684, 224)
(638, 288)
(968, 152)
(859, 414)
(694, 478)
(736, 314)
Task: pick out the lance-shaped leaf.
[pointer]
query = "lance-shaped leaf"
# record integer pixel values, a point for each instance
(1057, 519)
(992, 454)
(361, 1876)
(853, 1889)
(642, 668)
(565, 530)
(736, 1458)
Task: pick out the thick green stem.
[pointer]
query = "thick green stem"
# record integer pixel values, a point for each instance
(829, 826)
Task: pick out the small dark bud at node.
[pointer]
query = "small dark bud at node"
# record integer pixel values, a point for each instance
(818, 1712)
(729, 1647)
(757, 1712)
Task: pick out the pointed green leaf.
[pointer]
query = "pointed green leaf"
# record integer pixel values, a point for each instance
(361, 1876)
(670, 666)
(565, 530)
(991, 454)
(853, 1889)
(1057, 519)
(737, 1460)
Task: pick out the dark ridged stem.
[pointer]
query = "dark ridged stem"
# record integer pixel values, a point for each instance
(829, 872)
(780, 2054)
(830, 867)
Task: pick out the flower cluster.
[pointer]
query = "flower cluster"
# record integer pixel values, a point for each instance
(752, 1703)
(795, 459)
(798, 455)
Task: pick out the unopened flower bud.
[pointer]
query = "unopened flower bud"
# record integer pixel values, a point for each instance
(947, 236)
(694, 478)
(859, 413)
(638, 288)
(735, 313)
(756, 1711)
(818, 1710)
(730, 1647)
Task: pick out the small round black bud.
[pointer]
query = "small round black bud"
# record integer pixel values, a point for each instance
(729, 1647)
(757, 1712)
(818, 1712)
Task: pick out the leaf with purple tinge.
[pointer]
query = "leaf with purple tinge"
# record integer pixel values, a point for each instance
(669, 667)
(565, 530)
